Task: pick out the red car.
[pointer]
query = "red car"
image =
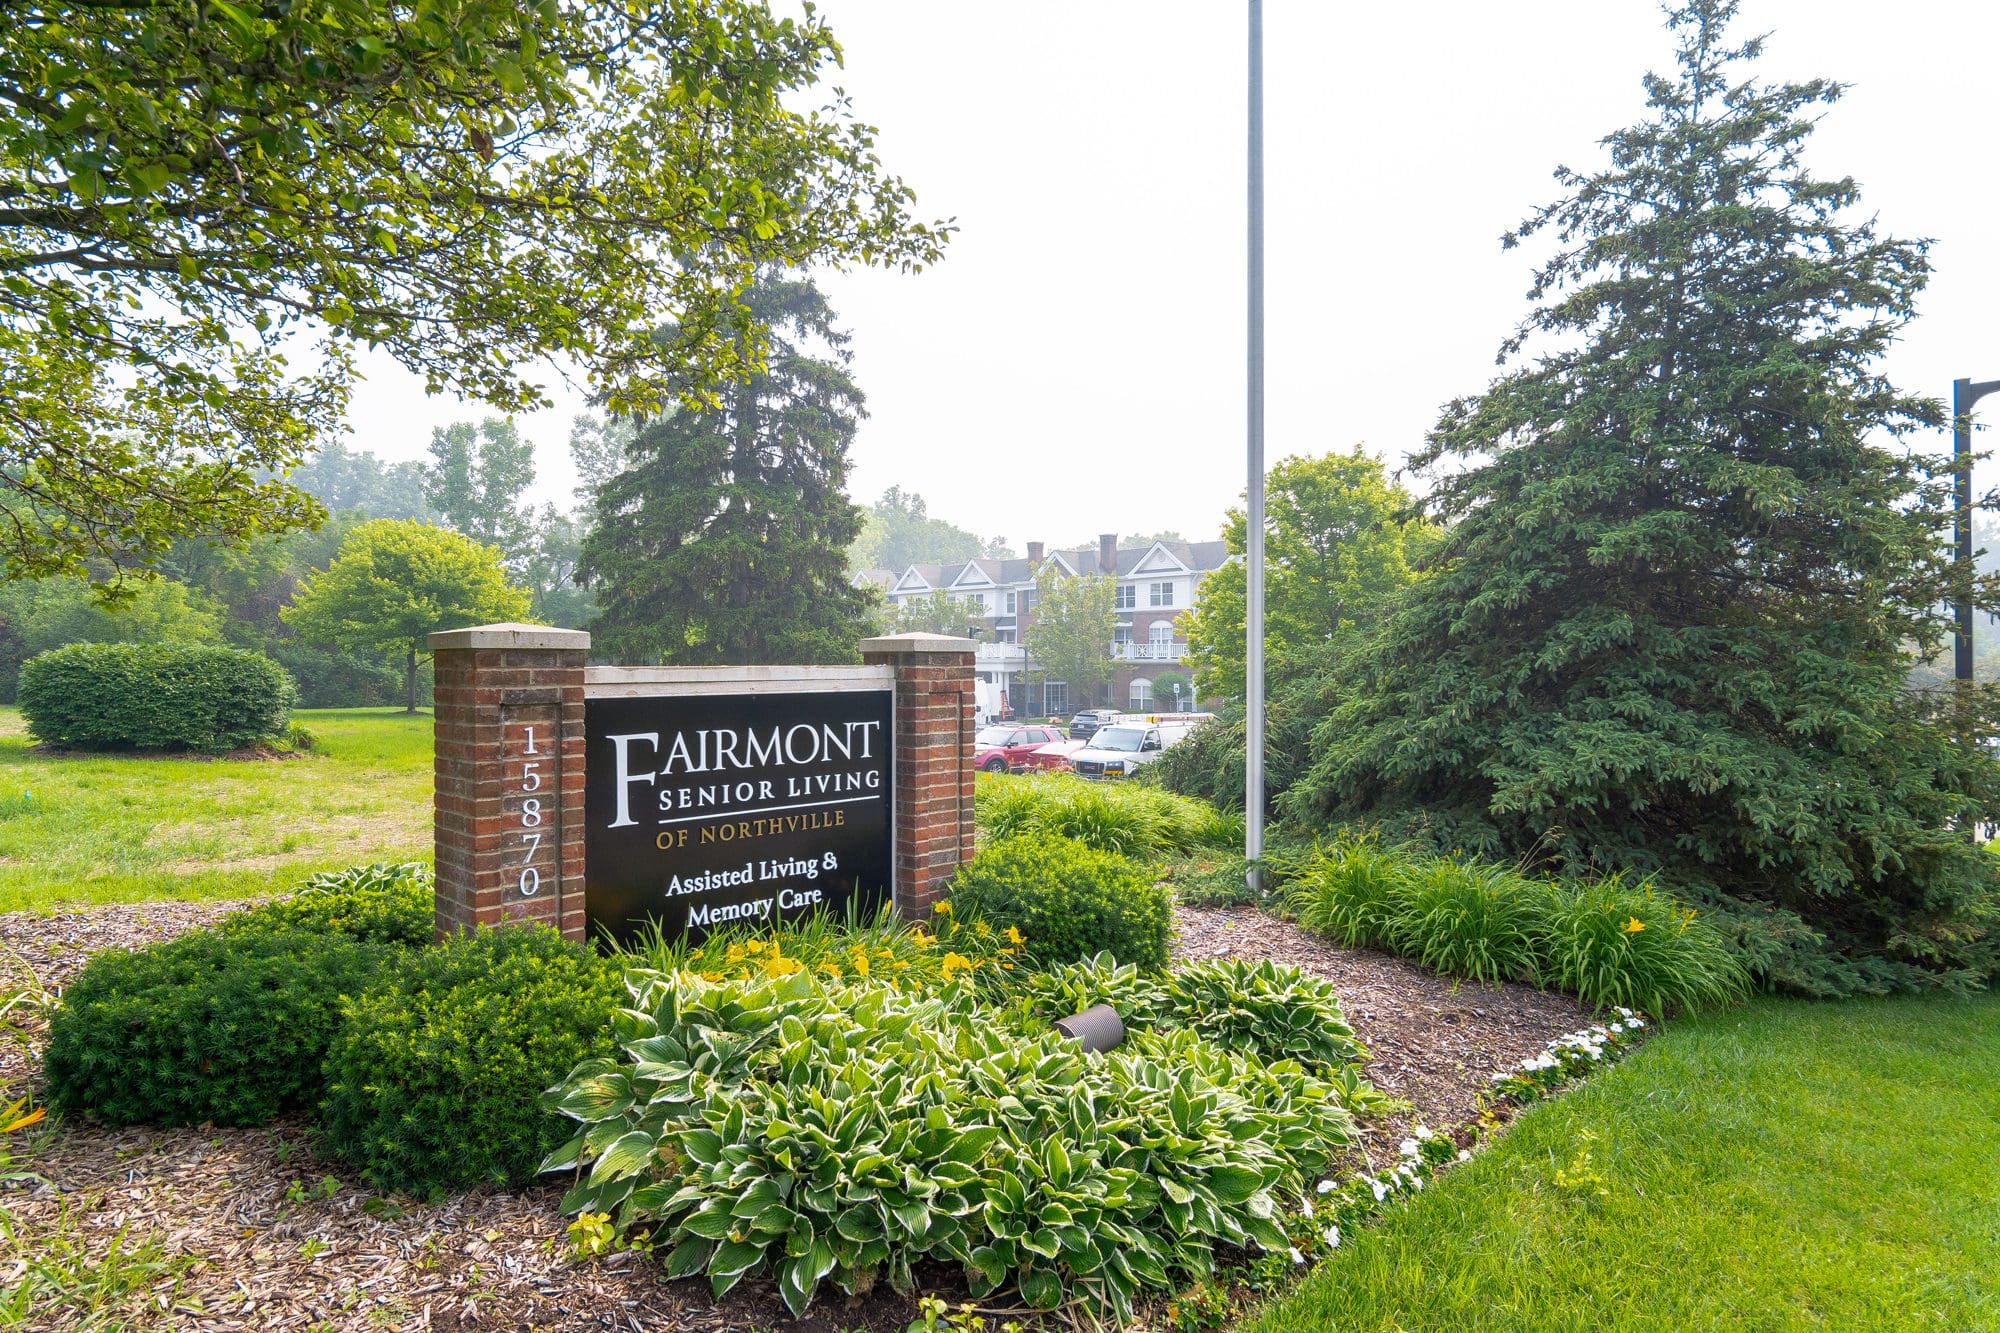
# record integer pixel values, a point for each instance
(1011, 749)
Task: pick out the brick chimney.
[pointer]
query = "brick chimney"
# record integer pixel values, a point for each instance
(1107, 553)
(1034, 554)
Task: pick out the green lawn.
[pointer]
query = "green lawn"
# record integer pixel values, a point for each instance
(98, 829)
(1780, 1166)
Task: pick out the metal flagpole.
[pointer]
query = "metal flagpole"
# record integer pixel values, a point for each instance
(1964, 393)
(1253, 768)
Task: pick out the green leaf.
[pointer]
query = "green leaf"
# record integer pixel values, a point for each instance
(1041, 1289)
(1234, 1184)
(632, 1152)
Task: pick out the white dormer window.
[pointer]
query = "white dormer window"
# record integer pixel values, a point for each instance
(1161, 594)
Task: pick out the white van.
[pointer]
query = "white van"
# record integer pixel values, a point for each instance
(1120, 747)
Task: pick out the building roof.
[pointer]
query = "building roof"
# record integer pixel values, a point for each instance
(1189, 557)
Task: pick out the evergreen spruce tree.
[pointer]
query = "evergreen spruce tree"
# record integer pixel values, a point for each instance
(1691, 556)
(724, 538)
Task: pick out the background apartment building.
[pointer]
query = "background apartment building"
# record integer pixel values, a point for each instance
(1156, 584)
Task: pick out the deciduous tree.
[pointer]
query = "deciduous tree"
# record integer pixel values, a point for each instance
(1069, 637)
(898, 531)
(477, 480)
(937, 612)
(189, 189)
(1339, 545)
(1690, 552)
(393, 583)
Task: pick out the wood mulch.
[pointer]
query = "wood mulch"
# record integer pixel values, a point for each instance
(273, 1245)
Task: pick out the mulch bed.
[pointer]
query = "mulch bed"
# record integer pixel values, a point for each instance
(274, 1248)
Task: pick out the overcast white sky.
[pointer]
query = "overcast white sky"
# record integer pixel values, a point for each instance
(1075, 365)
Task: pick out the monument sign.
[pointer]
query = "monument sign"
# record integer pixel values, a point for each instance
(598, 799)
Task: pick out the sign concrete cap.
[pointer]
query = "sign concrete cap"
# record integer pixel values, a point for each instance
(918, 643)
(510, 636)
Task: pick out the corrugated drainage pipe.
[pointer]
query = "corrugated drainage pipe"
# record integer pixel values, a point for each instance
(1097, 1028)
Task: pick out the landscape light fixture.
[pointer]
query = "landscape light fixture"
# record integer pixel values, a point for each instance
(1253, 552)
(1964, 393)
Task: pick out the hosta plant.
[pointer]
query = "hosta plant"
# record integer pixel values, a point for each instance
(813, 1132)
(386, 903)
(1270, 1010)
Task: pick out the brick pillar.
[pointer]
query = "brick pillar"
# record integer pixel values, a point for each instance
(509, 821)
(934, 699)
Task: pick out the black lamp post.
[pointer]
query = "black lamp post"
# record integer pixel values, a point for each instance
(1964, 393)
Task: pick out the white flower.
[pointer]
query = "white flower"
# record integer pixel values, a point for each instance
(1408, 1147)
(1416, 1182)
(1306, 1206)
(1326, 1187)
(1297, 1258)
(1381, 1189)
(1332, 1235)
(1422, 1132)
(1465, 1154)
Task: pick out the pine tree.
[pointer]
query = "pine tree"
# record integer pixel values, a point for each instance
(724, 539)
(1692, 552)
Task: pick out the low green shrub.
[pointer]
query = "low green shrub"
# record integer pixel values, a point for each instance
(222, 1026)
(1468, 920)
(817, 1134)
(1211, 879)
(1066, 899)
(1130, 819)
(435, 1080)
(1613, 944)
(383, 902)
(1350, 891)
(154, 696)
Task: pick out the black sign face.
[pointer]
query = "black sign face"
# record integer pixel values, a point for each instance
(709, 810)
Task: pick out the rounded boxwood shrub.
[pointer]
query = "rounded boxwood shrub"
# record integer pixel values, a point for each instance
(383, 902)
(435, 1081)
(154, 696)
(1069, 901)
(229, 1027)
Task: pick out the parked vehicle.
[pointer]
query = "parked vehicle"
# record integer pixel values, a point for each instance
(1009, 749)
(1128, 741)
(1089, 720)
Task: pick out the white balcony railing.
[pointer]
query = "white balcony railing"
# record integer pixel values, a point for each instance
(1172, 651)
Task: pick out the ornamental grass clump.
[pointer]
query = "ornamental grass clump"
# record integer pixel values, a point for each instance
(1067, 900)
(435, 1080)
(383, 902)
(791, 1129)
(1611, 944)
(1351, 891)
(228, 1027)
(1131, 820)
(1605, 942)
(1468, 920)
